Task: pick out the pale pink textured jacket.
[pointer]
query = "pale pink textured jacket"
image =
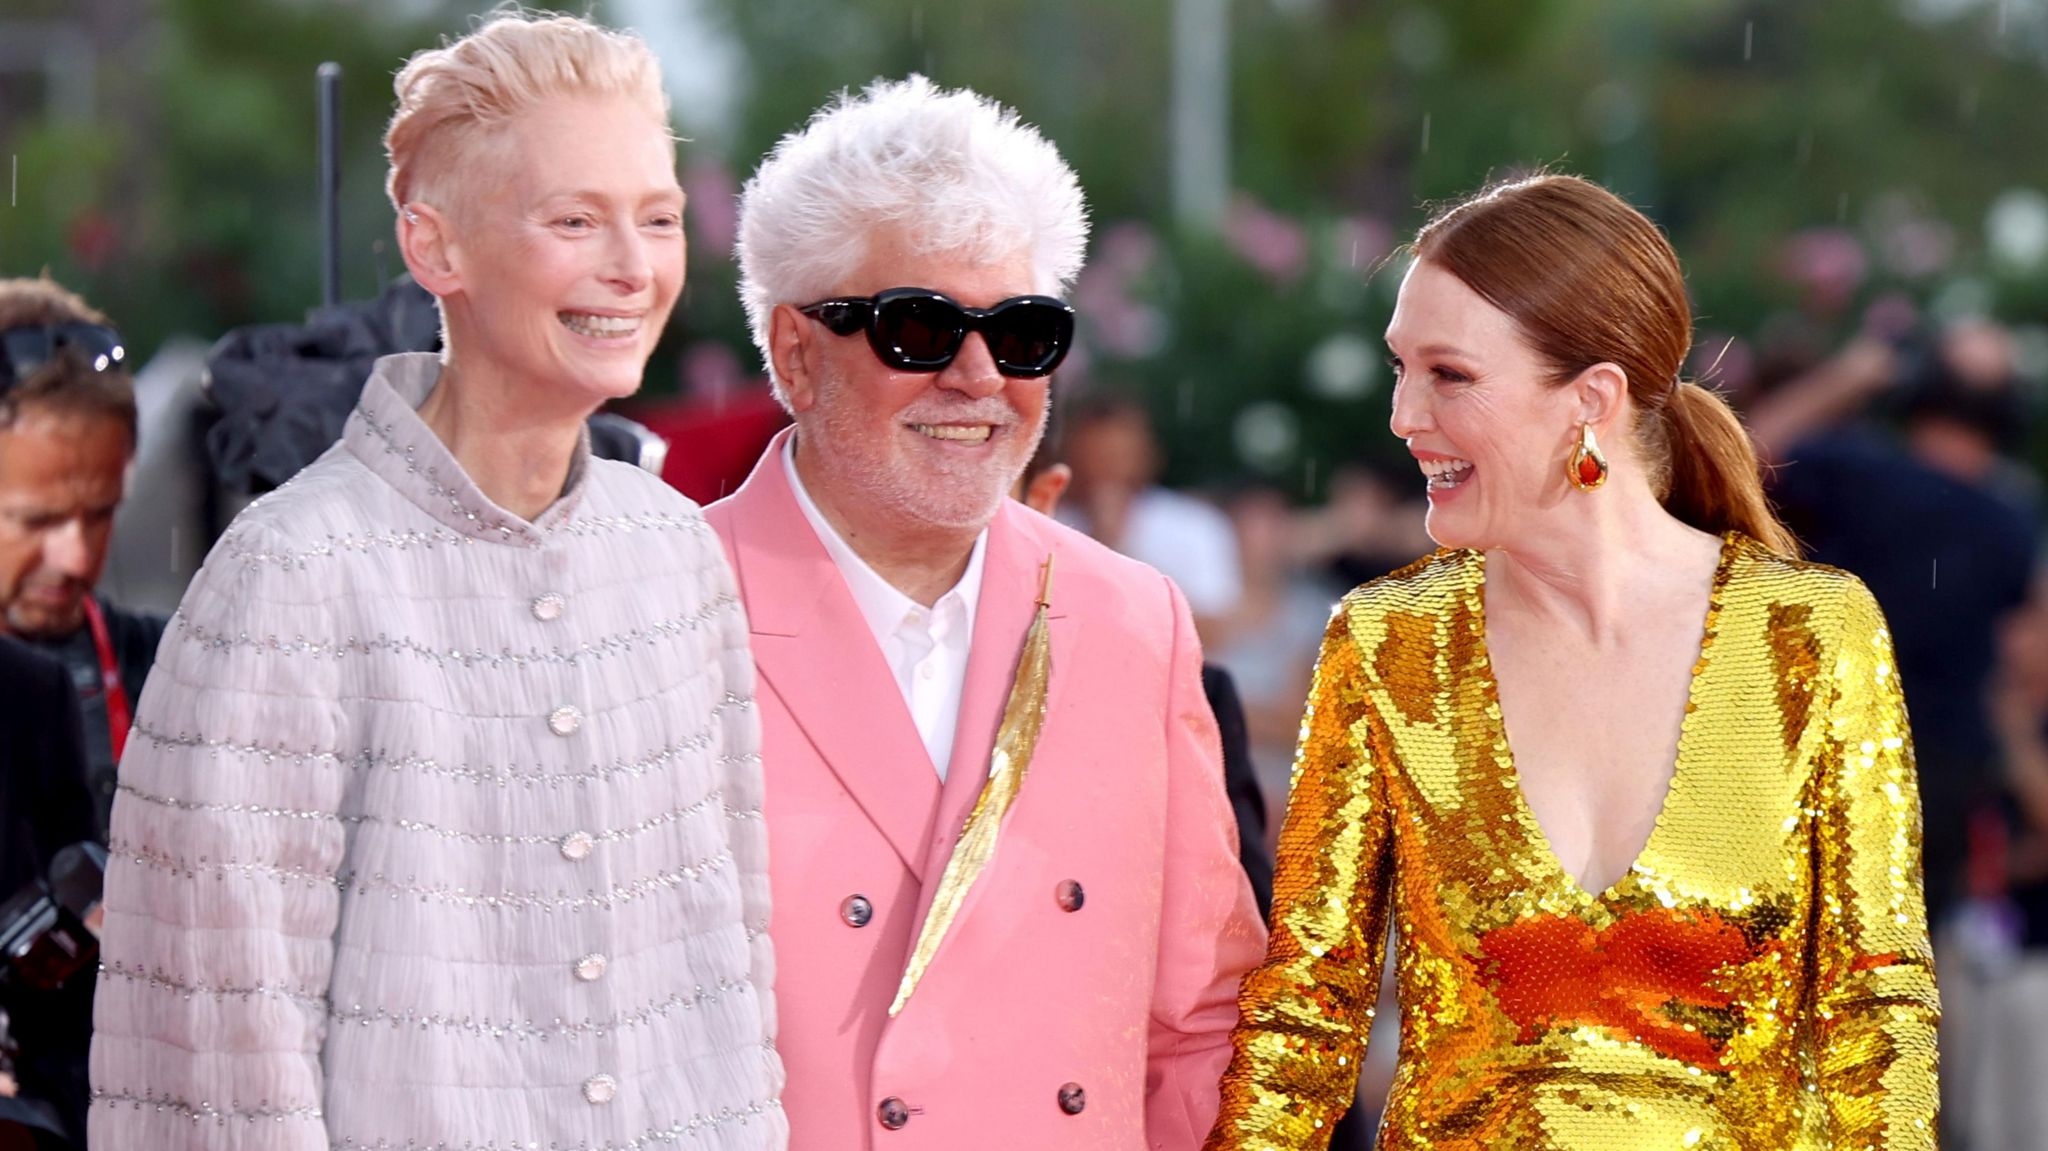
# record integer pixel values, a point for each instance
(1085, 997)
(440, 830)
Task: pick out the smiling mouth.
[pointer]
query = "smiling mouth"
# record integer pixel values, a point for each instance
(956, 433)
(1444, 475)
(600, 327)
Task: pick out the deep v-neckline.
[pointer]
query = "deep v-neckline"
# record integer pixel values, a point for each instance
(1525, 815)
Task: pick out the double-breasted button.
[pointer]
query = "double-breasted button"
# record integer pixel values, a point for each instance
(1069, 895)
(548, 607)
(893, 1113)
(600, 1089)
(1073, 1100)
(857, 911)
(576, 846)
(591, 967)
(565, 720)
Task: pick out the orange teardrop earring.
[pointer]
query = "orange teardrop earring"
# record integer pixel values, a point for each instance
(1587, 469)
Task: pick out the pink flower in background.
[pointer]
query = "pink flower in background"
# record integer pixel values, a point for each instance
(1360, 242)
(1891, 316)
(1919, 248)
(1125, 251)
(1114, 319)
(1266, 240)
(1912, 244)
(714, 206)
(1828, 264)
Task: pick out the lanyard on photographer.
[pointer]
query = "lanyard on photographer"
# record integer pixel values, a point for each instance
(110, 677)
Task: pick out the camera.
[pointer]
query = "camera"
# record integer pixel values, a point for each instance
(44, 941)
(49, 959)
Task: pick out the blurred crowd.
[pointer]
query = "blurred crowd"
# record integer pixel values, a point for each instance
(1897, 456)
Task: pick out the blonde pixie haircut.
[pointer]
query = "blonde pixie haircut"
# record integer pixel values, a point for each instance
(453, 99)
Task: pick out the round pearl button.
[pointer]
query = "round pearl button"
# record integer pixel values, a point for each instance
(893, 1113)
(565, 720)
(591, 967)
(548, 608)
(600, 1089)
(857, 911)
(576, 845)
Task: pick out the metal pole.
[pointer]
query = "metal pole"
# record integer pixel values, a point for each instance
(1201, 111)
(328, 83)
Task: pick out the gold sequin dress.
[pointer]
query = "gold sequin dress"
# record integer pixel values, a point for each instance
(1759, 980)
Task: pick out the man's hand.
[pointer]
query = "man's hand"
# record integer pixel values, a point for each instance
(1830, 393)
(1866, 366)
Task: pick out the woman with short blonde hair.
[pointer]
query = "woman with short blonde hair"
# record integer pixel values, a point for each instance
(440, 825)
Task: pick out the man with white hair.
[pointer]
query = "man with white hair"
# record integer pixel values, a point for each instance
(1009, 911)
(440, 825)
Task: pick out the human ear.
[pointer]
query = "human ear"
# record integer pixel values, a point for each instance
(1042, 494)
(789, 352)
(427, 243)
(1599, 395)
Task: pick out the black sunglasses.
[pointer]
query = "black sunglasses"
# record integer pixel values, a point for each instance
(919, 330)
(28, 349)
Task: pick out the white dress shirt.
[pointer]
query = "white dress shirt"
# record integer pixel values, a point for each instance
(926, 648)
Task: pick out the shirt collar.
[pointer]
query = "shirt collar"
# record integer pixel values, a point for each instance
(386, 433)
(881, 604)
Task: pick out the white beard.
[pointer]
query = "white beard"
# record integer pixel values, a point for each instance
(875, 471)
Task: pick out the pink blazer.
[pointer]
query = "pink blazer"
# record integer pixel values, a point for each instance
(1036, 1026)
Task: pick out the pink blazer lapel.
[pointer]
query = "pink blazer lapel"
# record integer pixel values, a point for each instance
(1009, 597)
(813, 647)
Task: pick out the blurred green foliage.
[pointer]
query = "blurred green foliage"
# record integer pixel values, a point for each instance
(1885, 127)
(1888, 126)
(190, 205)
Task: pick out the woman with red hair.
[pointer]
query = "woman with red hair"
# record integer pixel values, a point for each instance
(1632, 783)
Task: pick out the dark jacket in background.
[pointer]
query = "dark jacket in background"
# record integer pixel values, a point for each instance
(44, 806)
(1247, 802)
(134, 636)
(1947, 561)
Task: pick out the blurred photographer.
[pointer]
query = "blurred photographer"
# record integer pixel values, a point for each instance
(1894, 460)
(1995, 996)
(67, 436)
(46, 960)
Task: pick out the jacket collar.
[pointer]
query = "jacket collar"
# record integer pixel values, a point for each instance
(813, 646)
(386, 433)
